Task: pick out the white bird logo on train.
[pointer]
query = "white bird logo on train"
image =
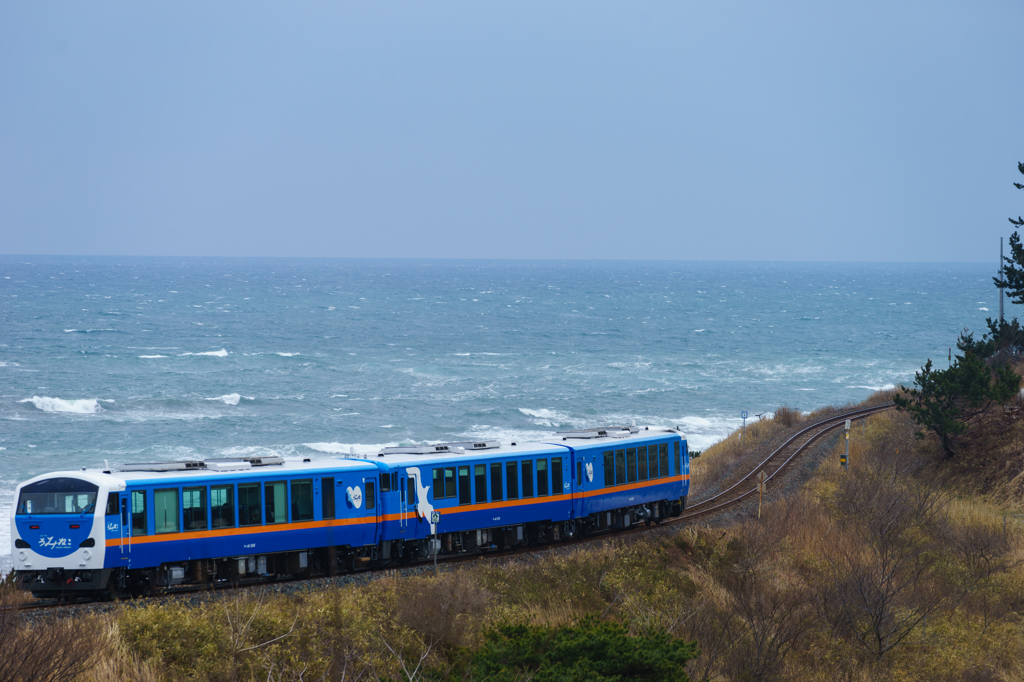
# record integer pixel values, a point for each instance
(355, 497)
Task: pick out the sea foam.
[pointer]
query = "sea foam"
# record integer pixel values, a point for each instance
(47, 404)
(222, 353)
(231, 398)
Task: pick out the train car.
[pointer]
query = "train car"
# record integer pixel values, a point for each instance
(483, 496)
(624, 475)
(143, 527)
(476, 496)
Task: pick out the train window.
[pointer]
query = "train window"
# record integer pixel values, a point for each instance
(193, 506)
(139, 512)
(663, 456)
(652, 458)
(511, 481)
(394, 480)
(641, 459)
(222, 506)
(631, 465)
(527, 478)
(111, 504)
(438, 484)
(449, 482)
(412, 490)
(609, 469)
(302, 500)
(556, 475)
(58, 496)
(276, 502)
(385, 483)
(249, 512)
(465, 492)
(327, 498)
(496, 495)
(480, 482)
(579, 472)
(542, 478)
(620, 467)
(679, 468)
(165, 504)
(371, 495)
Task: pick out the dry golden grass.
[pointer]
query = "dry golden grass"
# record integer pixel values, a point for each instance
(759, 597)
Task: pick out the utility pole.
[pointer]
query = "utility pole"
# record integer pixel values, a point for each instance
(1000, 278)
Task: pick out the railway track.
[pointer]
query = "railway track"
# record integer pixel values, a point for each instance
(773, 464)
(777, 461)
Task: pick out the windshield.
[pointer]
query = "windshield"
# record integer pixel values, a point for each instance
(58, 496)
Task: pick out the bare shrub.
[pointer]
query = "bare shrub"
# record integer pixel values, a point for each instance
(787, 416)
(446, 611)
(885, 559)
(53, 650)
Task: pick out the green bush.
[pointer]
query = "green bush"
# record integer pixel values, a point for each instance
(595, 650)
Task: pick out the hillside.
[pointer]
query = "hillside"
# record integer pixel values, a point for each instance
(899, 569)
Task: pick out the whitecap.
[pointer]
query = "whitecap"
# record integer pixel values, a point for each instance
(150, 357)
(346, 448)
(387, 426)
(884, 387)
(231, 398)
(985, 309)
(222, 353)
(9, 364)
(287, 355)
(47, 404)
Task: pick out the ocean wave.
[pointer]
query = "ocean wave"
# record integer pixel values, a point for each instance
(348, 448)
(222, 353)
(47, 404)
(287, 355)
(231, 398)
(9, 364)
(884, 387)
(552, 418)
(149, 357)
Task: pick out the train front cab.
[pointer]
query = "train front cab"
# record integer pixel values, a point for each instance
(57, 534)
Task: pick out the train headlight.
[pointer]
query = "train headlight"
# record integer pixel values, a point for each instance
(86, 555)
(21, 556)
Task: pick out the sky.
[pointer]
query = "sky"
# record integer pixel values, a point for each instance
(793, 131)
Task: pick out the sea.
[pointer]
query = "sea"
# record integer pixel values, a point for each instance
(110, 360)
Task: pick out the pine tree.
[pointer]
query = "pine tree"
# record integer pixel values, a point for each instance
(1013, 267)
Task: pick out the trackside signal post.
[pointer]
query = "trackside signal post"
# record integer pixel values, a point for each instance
(435, 519)
(845, 459)
(762, 483)
(743, 433)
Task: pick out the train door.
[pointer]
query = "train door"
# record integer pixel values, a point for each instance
(583, 478)
(126, 530)
(372, 511)
(403, 504)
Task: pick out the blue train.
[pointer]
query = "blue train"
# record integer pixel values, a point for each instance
(142, 527)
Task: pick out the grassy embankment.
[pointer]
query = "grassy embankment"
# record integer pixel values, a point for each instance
(898, 569)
